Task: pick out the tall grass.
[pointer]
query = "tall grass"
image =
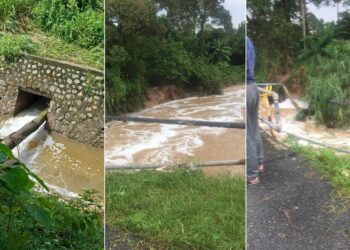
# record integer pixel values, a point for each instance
(329, 79)
(76, 21)
(15, 15)
(178, 210)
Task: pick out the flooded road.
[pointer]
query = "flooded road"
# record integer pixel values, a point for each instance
(143, 143)
(67, 166)
(310, 129)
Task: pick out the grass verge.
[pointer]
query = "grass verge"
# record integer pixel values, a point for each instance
(178, 210)
(334, 167)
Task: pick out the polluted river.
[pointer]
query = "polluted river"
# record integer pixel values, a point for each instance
(338, 138)
(68, 167)
(145, 143)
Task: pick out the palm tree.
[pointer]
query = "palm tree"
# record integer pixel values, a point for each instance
(221, 52)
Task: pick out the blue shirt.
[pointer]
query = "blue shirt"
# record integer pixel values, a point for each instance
(250, 61)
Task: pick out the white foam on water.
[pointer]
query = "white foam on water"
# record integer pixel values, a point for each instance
(159, 143)
(15, 123)
(339, 138)
(287, 104)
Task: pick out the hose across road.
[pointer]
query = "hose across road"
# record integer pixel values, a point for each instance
(237, 125)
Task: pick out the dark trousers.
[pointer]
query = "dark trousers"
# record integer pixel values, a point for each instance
(255, 154)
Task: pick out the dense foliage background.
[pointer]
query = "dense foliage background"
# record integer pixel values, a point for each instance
(294, 44)
(191, 44)
(65, 29)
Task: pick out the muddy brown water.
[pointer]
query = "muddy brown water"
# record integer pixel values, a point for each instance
(128, 143)
(67, 166)
(310, 129)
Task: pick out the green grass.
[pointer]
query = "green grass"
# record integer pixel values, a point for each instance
(52, 47)
(335, 167)
(178, 210)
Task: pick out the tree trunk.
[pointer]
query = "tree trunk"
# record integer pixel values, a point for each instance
(304, 21)
(17, 137)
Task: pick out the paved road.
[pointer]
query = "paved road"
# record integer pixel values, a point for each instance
(115, 240)
(292, 208)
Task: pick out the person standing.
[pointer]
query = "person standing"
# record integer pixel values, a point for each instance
(254, 142)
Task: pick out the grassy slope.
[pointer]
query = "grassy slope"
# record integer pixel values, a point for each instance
(178, 210)
(53, 47)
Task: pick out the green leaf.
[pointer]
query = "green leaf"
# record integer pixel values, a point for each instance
(37, 178)
(16, 180)
(45, 202)
(75, 227)
(40, 215)
(5, 149)
(3, 157)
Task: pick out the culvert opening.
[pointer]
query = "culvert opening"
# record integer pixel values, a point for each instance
(29, 98)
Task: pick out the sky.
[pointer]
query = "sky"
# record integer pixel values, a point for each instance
(237, 9)
(327, 13)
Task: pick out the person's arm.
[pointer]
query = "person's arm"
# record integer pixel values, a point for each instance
(250, 61)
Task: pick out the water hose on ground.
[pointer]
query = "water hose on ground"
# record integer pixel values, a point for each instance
(187, 165)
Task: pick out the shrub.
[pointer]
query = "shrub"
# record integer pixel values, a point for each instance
(73, 21)
(205, 77)
(329, 79)
(11, 45)
(123, 96)
(172, 64)
(30, 220)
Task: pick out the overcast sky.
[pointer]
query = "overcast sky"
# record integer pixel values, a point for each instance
(327, 13)
(237, 9)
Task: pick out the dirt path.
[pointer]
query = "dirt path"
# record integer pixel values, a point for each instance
(292, 208)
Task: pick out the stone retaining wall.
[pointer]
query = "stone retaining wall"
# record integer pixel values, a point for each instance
(76, 93)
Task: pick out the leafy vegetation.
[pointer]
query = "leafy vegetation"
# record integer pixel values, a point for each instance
(63, 28)
(154, 43)
(177, 210)
(11, 45)
(32, 220)
(315, 54)
(77, 21)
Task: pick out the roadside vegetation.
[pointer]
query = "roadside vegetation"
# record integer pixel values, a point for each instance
(67, 30)
(35, 220)
(177, 210)
(318, 62)
(156, 43)
(335, 167)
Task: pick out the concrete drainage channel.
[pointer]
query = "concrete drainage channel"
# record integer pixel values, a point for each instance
(48, 110)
